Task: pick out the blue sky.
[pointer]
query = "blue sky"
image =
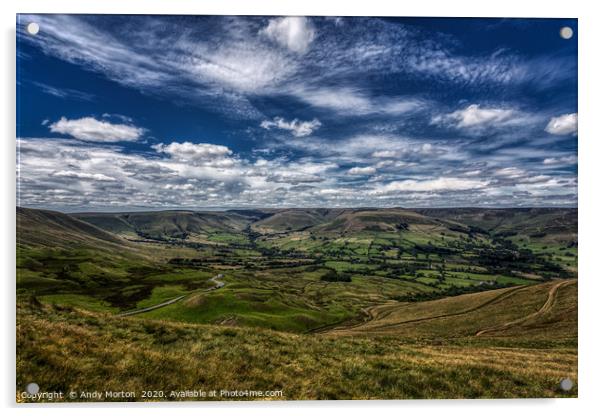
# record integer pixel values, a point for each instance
(157, 112)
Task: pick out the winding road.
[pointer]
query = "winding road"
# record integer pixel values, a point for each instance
(217, 284)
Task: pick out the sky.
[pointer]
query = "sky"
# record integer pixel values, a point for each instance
(118, 113)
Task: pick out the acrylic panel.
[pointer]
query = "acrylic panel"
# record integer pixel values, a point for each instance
(295, 208)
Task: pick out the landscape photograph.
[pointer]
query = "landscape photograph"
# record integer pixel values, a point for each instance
(219, 208)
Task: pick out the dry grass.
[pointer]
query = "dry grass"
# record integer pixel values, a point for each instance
(69, 349)
(553, 319)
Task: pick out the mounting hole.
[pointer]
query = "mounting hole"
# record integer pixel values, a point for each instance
(33, 28)
(566, 32)
(32, 388)
(566, 384)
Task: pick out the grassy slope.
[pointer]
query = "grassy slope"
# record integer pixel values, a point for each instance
(292, 299)
(65, 349)
(68, 261)
(464, 316)
(170, 224)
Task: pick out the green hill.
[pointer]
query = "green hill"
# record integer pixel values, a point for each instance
(541, 224)
(171, 224)
(295, 219)
(42, 228)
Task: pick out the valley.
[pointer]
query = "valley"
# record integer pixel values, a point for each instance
(436, 280)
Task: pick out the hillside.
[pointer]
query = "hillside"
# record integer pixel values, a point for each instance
(37, 228)
(535, 224)
(518, 313)
(68, 259)
(541, 224)
(171, 224)
(295, 219)
(59, 349)
(379, 220)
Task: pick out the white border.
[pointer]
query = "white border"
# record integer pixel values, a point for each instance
(590, 203)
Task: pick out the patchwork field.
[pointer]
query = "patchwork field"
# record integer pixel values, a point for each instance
(316, 303)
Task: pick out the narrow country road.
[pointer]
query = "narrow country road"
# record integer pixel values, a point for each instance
(217, 284)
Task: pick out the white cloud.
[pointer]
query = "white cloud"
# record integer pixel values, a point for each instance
(351, 101)
(368, 170)
(297, 127)
(477, 120)
(564, 160)
(294, 33)
(475, 115)
(198, 153)
(563, 125)
(244, 67)
(185, 187)
(476, 172)
(510, 172)
(385, 154)
(432, 185)
(83, 175)
(393, 164)
(90, 129)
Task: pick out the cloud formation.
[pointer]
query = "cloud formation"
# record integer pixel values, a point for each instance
(476, 118)
(369, 111)
(563, 125)
(367, 170)
(194, 152)
(294, 33)
(430, 185)
(296, 127)
(90, 129)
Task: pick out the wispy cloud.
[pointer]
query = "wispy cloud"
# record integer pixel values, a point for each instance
(238, 58)
(296, 127)
(66, 93)
(352, 101)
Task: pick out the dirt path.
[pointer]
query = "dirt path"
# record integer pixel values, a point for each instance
(373, 314)
(545, 308)
(217, 285)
